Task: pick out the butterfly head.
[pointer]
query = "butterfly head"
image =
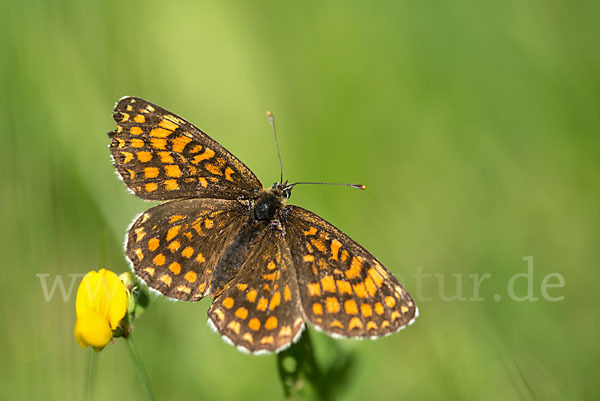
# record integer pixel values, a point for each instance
(271, 200)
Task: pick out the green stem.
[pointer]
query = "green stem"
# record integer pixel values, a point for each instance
(302, 377)
(298, 371)
(138, 367)
(91, 375)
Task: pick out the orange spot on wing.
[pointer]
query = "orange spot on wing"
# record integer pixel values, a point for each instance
(140, 119)
(200, 257)
(310, 231)
(336, 323)
(379, 308)
(172, 233)
(173, 170)
(175, 268)
(128, 157)
(166, 158)
(286, 331)
(158, 143)
(180, 142)
(153, 244)
(183, 288)
(139, 254)
(228, 302)
(335, 248)
(344, 287)
(171, 185)
(332, 305)
(150, 271)
(228, 173)
(319, 244)
(371, 287)
(317, 309)
(211, 168)
(168, 125)
(137, 143)
(241, 287)
(271, 323)
(173, 246)
(267, 340)
(328, 284)
(195, 149)
(355, 323)
(202, 182)
(354, 270)
(366, 310)
(359, 290)
(207, 154)
(248, 337)
(160, 133)
(254, 324)
(350, 307)
(144, 156)
(287, 294)
(234, 326)
(150, 172)
(135, 130)
(151, 187)
(275, 300)
(166, 279)
(187, 252)
(309, 258)
(314, 289)
(175, 218)
(376, 276)
(159, 259)
(251, 296)
(262, 304)
(242, 313)
(390, 302)
(191, 276)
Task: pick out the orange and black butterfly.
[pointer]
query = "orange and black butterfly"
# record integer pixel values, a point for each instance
(270, 267)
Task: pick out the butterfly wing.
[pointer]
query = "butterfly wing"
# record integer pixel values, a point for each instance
(174, 247)
(161, 156)
(344, 290)
(259, 310)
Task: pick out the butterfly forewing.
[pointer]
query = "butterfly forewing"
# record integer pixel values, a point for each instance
(175, 246)
(161, 156)
(344, 289)
(259, 310)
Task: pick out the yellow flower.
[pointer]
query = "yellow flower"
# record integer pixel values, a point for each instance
(100, 305)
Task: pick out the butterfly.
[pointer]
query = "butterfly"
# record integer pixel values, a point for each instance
(270, 267)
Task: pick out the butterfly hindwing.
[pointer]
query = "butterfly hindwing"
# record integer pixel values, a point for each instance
(161, 156)
(344, 290)
(259, 310)
(174, 247)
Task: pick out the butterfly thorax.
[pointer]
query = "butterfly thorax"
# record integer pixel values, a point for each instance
(270, 201)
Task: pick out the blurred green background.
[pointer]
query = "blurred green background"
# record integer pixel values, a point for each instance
(475, 126)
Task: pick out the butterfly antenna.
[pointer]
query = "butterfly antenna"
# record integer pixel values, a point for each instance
(272, 122)
(357, 186)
